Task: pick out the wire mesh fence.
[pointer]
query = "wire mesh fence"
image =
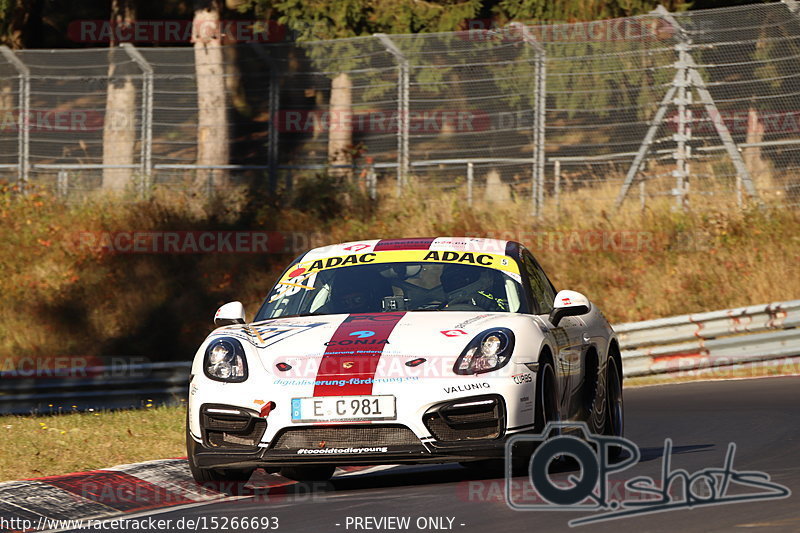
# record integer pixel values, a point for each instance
(690, 108)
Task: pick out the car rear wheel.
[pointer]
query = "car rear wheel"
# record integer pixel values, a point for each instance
(308, 473)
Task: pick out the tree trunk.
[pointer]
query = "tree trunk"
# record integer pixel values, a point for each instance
(119, 126)
(340, 124)
(212, 118)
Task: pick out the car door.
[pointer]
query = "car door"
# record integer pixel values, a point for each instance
(568, 334)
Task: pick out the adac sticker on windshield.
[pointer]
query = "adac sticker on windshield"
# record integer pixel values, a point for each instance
(496, 261)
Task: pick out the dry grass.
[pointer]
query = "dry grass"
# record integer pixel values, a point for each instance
(36, 446)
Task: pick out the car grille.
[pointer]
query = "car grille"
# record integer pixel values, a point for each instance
(345, 436)
(459, 421)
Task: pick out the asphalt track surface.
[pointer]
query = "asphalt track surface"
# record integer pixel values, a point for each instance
(761, 416)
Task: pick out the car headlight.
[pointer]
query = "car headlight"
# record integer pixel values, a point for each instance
(488, 351)
(225, 361)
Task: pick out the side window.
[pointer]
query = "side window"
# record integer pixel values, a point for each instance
(541, 290)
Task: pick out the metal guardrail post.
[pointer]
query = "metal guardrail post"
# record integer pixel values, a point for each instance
(403, 82)
(146, 156)
(540, 111)
(23, 128)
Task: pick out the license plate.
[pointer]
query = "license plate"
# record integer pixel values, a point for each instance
(343, 408)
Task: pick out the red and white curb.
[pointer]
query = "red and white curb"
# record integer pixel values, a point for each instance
(119, 490)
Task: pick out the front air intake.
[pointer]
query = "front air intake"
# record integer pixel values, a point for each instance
(476, 418)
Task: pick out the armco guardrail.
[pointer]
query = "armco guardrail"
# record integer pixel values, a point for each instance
(665, 345)
(95, 387)
(716, 338)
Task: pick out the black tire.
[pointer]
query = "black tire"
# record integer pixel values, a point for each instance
(615, 408)
(225, 480)
(546, 397)
(308, 473)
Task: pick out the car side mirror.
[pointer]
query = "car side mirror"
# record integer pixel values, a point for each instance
(569, 303)
(230, 313)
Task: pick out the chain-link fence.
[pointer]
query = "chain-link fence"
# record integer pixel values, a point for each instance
(689, 108)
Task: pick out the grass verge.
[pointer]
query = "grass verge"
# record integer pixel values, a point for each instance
(45, 445)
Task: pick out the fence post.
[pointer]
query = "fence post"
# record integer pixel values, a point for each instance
(62, 183)
(146, 151)
(403, 82)
(470, 179)
(557, 184)
(273, 103)
(372, 181)
(683, 134)
(540, 110)
(23, 129)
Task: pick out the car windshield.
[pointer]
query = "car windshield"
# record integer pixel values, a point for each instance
(394, 286)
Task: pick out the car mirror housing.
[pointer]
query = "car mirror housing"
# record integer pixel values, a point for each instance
(569, 303)
(230, 313)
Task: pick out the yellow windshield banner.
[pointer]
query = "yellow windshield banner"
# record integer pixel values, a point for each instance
(496, 261)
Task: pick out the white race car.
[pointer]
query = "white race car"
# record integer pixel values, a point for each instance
(398, 351)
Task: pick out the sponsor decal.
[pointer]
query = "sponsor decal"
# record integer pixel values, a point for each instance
(349, 342)
(341, 382)
(457, 257)
(362, 334)
(469, 321)
(522, 378)
(348, 364)
(328, 451)
(566, 301)
(338, 261)
(270, 333)
(340, 349)
(392, 255)
(453, 332)
(466, 388)
(356, 247)
(403, 244)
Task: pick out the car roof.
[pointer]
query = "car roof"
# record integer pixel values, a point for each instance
(456, 244)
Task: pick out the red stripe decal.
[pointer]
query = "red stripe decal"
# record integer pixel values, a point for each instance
(351, 357)
(403, 244)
